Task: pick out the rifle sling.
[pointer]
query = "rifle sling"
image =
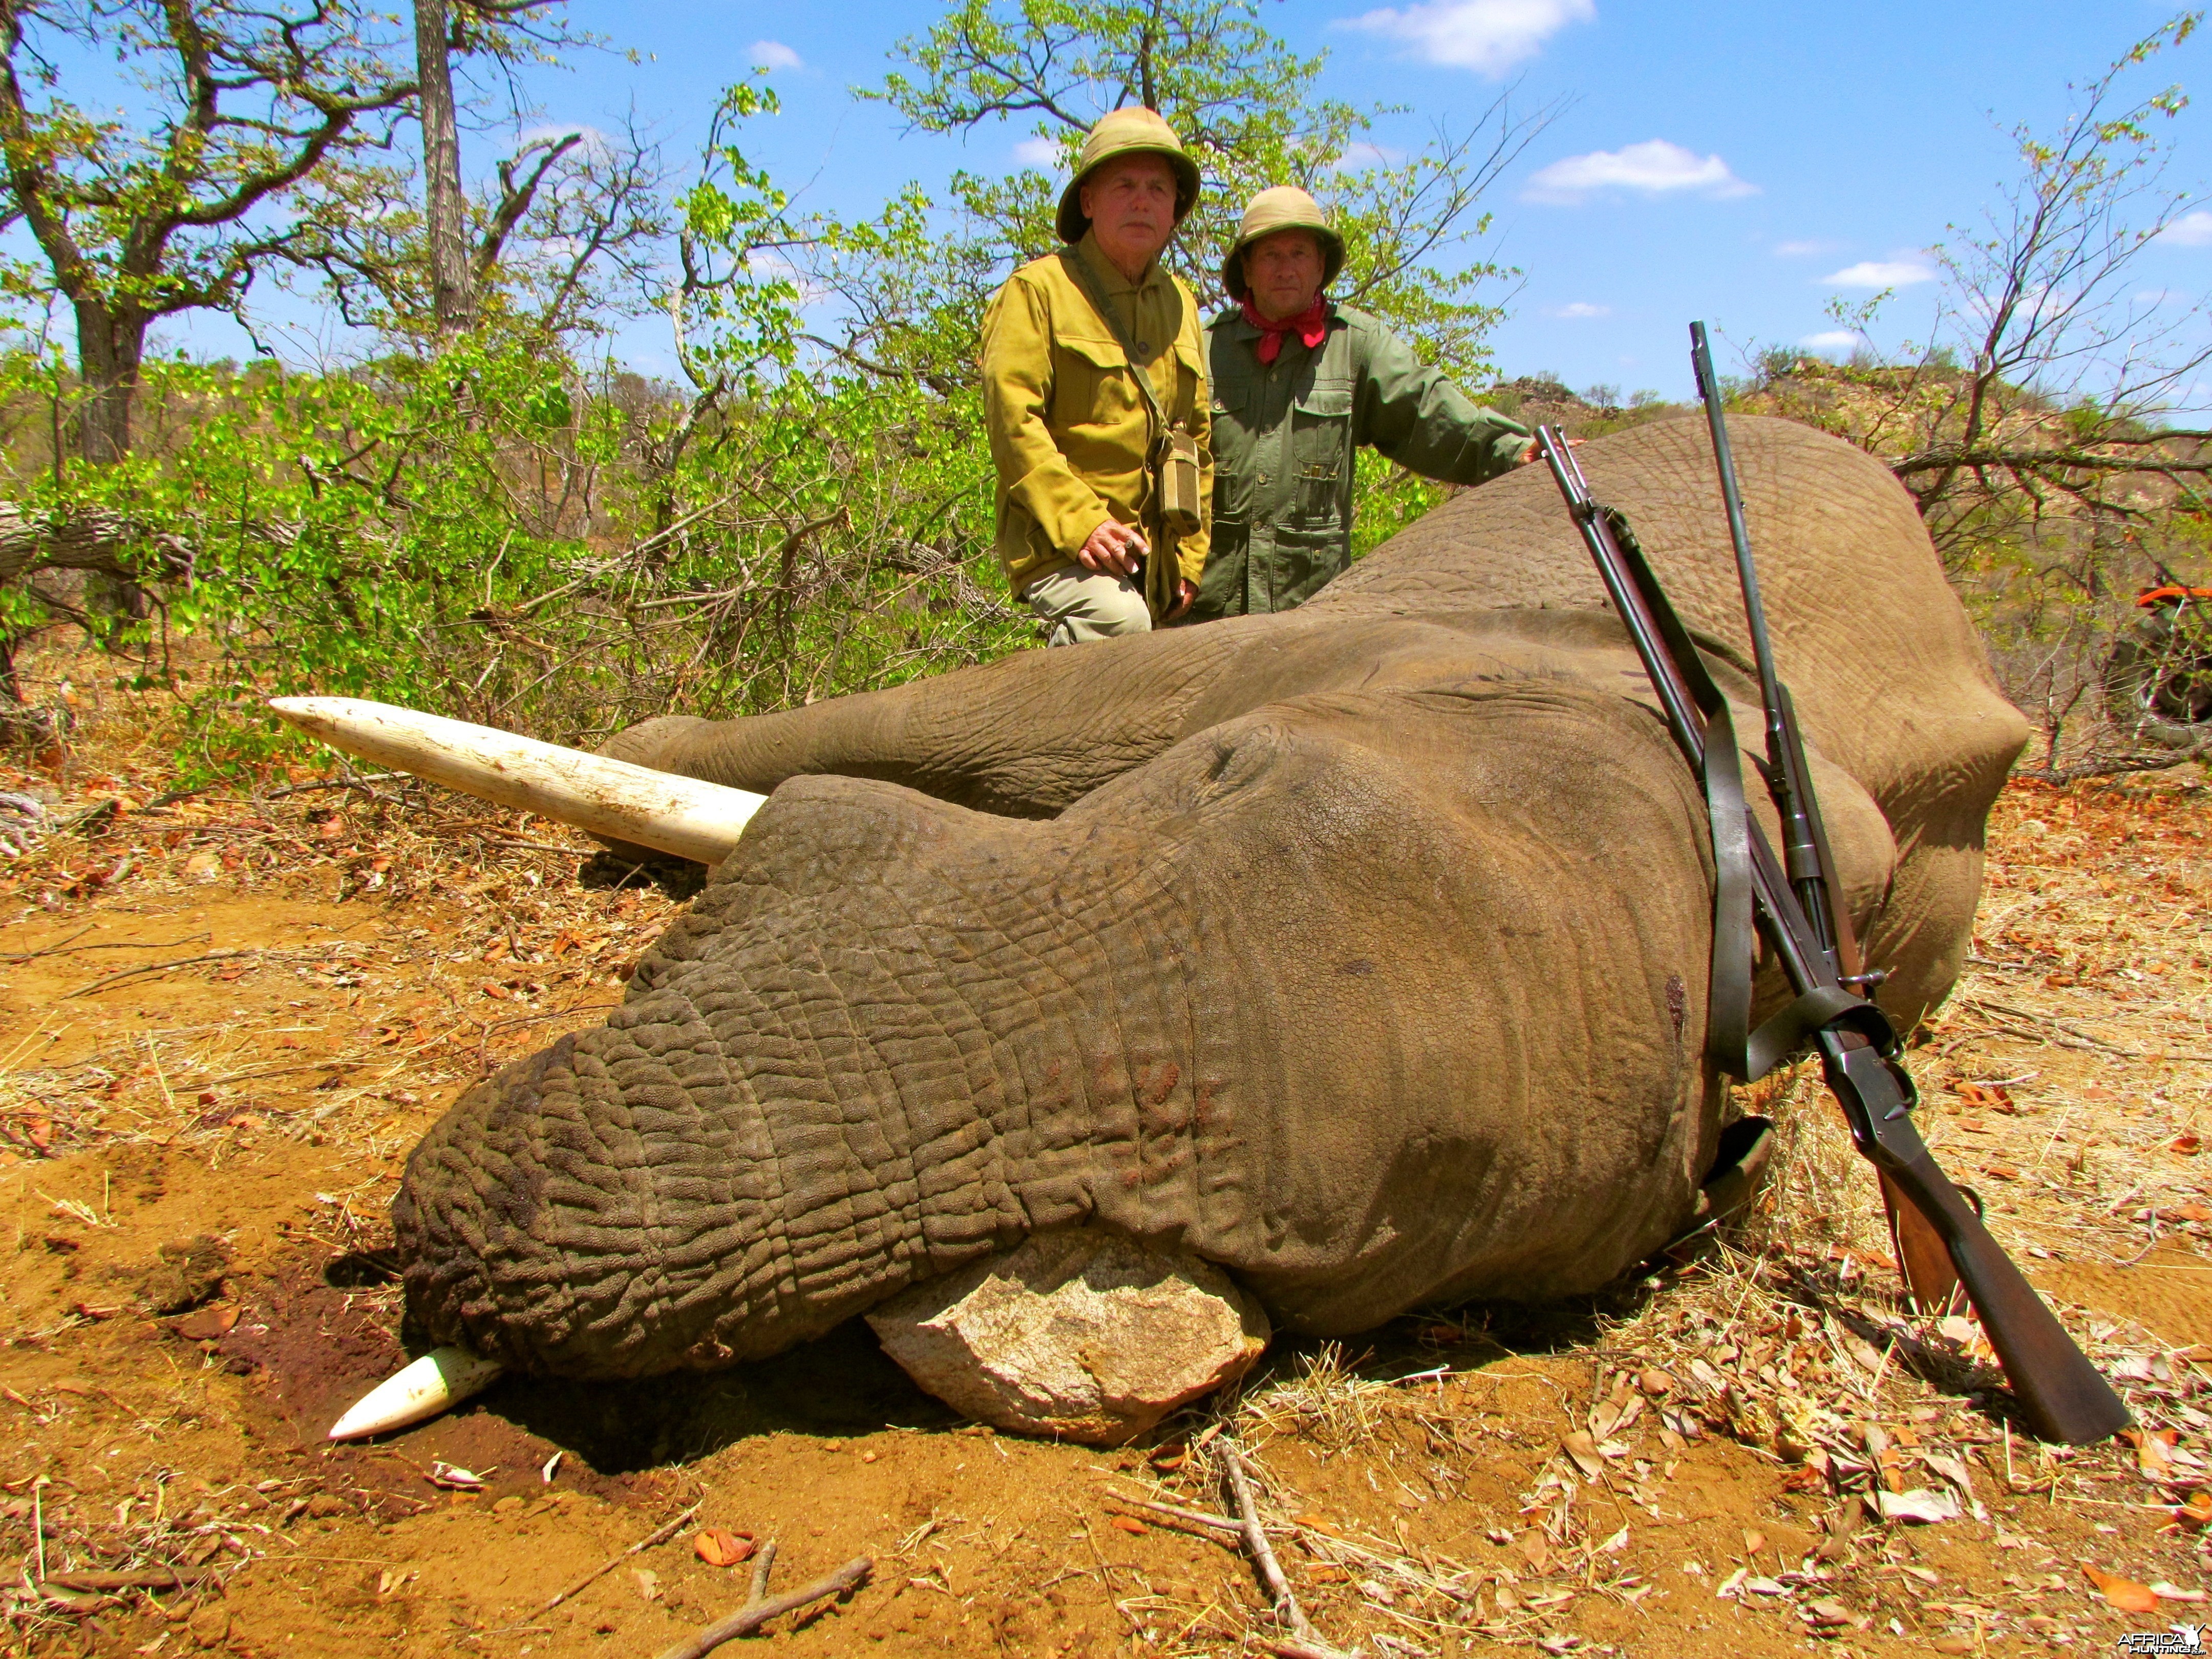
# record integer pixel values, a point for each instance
(1727, 996)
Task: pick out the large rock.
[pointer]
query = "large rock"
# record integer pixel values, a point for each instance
(1082, 1334)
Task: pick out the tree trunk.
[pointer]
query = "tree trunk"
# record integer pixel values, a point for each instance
(110, 343)
(452, 295)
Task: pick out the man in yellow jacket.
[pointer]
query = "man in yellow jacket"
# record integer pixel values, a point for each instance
(1072, 431)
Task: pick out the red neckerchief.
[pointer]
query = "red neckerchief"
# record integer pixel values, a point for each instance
(1310, 325)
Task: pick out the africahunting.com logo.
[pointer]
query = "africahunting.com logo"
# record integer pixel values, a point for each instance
(2175, 1639)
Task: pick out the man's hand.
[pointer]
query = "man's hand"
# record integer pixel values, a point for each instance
(1113, 549)
(1186, 592)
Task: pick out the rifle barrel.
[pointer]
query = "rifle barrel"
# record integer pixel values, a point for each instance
(2064, 1397)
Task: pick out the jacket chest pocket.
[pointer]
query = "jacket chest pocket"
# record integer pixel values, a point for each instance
(1091, 384)
(1320, 446)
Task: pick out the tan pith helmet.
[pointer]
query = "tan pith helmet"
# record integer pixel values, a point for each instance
(1285, 207)
(1133, 131)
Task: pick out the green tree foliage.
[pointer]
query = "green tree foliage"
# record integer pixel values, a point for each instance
(133, 223)
(2033, 425)
(1250, 111)
(481, 522)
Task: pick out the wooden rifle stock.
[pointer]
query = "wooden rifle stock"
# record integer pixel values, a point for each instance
(2064, 1397)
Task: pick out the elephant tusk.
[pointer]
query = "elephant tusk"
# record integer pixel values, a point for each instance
(441, 1378)
(687, 817)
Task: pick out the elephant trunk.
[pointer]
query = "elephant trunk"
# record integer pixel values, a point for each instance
(814, 1094)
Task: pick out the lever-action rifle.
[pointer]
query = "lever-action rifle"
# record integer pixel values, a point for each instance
(2060, 1393)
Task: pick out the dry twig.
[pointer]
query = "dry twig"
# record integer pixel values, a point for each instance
(1263, 1556)
(755, 1614)
(660, 1535)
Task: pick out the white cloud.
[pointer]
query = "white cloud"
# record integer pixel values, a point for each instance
(1802, 250)
(1574, 310)
(1039, 152)
(2190, 230)
(1880, 273)
(1361, 154)
(1836, 340)
(1487, 36)
(1654, 168)
(775, 55)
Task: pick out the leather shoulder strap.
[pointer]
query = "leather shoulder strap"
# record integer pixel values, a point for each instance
(1072, 259)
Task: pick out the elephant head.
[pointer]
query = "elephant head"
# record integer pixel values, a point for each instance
(1361, 950)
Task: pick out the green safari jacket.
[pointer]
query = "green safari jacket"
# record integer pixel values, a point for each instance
(1284, 438)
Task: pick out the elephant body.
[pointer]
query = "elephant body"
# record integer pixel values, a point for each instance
(1361, 950)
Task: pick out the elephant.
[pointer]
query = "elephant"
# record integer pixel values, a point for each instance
(1360, 950)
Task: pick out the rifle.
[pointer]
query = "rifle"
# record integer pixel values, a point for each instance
(2062, 1395)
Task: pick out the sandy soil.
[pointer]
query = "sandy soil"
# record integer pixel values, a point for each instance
(225, 1018)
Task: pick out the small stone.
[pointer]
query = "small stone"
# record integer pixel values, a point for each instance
(1081, 1335)
(210, 1626)
(184, 1275)
(322, 1506)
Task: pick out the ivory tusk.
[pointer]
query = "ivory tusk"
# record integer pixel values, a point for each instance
(441, 1378)
(611, 797)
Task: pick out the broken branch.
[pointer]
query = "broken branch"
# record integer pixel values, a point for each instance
(751, 1617)
(1263, 1557)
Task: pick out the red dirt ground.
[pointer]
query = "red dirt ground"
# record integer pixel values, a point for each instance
(333, 967)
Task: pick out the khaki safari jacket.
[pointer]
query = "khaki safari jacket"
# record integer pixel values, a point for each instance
(1069, 428)
(1284, 438)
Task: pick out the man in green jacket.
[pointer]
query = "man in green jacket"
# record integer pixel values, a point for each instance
(1300, 383)
(1081, 529)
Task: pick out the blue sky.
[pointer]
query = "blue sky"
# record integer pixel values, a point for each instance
(1740, 163)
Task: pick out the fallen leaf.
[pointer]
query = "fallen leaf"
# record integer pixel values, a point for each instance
(1559, 1644)
(1326, 1572)
(2152, 1446)
(207, 1324)
(1766, 1587)
(719, 1549)
(2187, 1145)
(1127, 1523)
(1827, 1613)
(2196, 1513)
(454, 1477)
(1920, 1505)
(1584, 1451)
(1656, 1382)
(1753, 1541)
(2124, 1594)
(648, 1584)
(2185, 1213)
(2001, 1171)
(2166, 1592)
(1531, 1544)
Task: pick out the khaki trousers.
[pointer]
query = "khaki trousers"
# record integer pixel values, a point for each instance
(1083, 605)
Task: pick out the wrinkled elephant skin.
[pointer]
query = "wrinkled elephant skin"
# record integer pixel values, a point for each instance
(1361, 950)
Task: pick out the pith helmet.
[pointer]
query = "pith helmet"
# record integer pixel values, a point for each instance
(1134, 131)
(1284, 208)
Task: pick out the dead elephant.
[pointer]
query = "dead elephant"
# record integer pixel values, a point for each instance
(1360, 951)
